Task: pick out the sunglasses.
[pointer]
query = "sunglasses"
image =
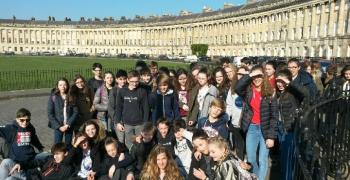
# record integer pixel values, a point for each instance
(22, 120)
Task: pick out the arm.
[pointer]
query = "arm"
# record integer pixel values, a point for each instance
(242, 85)
(36, 142)
(119, 108)
(273, 119)
(51, 113)
(99, 106)
(126, 162)
(145, 106)
(297, 91)
(73, 116)
(112, 103)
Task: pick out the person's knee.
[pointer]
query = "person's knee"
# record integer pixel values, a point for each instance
(7, 163)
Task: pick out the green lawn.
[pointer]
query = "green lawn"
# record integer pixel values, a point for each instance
(23, 63)
(33, 72)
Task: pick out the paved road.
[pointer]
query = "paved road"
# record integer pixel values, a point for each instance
(37, 106)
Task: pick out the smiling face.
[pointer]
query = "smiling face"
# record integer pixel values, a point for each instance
(347, 75)
(201, 145)
(59, 156)
(293, 68)
(146, 78)
(230, 73)
(219, 77)
(121, 81)
(182, 79)
(163, 129)
(162, 161)
(202, 79)
(215, 152)
(269, 70)
(258, 80)
(133, 82)
(90, 130)
(163, 88)
(108, 79)
(111, 150)
(62, 86)
(23, 121)
(80, 83)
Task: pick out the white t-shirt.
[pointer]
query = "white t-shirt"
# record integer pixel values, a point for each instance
(183, 153)
(201, 95)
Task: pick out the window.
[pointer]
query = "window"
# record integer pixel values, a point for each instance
(317, 31)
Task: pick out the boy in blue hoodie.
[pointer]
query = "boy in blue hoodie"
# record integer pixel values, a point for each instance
(21, 138)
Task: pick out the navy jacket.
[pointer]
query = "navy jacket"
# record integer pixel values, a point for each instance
(55, 112)
(164, 106)
(22, 142)
(219, 125)
(305, 79)
(268, 109)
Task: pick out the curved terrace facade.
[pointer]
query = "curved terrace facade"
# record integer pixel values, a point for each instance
(315, 28)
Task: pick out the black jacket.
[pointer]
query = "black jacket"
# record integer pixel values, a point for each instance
(58, 171)
(126, 165)
(268, 109)
(288, 103)
(305, 79)
(204, 163)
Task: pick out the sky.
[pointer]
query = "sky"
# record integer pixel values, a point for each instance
(74, 9)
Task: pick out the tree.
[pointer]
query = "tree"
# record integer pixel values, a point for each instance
(199, 49)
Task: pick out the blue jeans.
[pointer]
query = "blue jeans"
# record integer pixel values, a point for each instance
(287, 152)
(253, 140)
(68, 135)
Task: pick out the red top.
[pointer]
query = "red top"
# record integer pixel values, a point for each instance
(255, 104)
(272, 82)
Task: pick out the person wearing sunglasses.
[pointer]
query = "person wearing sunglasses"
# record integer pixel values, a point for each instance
(21, 139)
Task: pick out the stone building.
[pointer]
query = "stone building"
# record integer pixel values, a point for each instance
(315, 28)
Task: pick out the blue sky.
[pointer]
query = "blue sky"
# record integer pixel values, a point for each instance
(41, 9)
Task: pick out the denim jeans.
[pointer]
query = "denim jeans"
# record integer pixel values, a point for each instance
(68, 135)
(5, 168)
(254, 140)
(287, 152)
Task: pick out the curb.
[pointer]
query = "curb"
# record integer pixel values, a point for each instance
(6, 95)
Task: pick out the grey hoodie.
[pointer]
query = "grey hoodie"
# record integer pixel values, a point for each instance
(213, 92)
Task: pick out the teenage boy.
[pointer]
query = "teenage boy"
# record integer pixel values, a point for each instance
(120, 79)
(154, 69)
(95, 82)
(146, 81)
(21, 138)
(165, 135)
(142, 146)
(55, 167)
(132, 109)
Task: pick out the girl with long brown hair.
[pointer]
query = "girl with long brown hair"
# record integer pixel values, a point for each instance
(160, 166)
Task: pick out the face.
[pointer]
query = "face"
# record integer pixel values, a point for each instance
(133, 82)
(269, 70)
(90, 130)
(162, 161)
(108, 79)
(230, 73)
(146, 137)
(215, 111)
(308, 69)
(178, 135)
(293, 68)
(97, 72)
(182, 79)
(201, 145)
(215, 152)
(80, 83)
(146, 78)
(240, 73)
(202, 79)
(258, 80)
(347, 75)
(84, 145)
(195, 73)
(111, 150)
(154, 70)
(23, 121)
(163, 88)
(62, 86)
(224, 65)
(121, 81)
(163, 129)
(281, 86)
(59, 156)
(219, 77)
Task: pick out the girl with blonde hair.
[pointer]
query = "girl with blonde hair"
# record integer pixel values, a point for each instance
(160, 166)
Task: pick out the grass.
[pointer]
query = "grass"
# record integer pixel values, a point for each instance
(25, 63)
(34, 72)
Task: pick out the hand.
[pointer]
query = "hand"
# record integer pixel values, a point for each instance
(130, 176)
(79, 140)
(120, 127)
(111, 171)
(92, 109)
(270, 143)
(138, 138)
(199, 173)
(244, 165)
(197, 155)
(91, 175)
(255, 73)
(121, 157)
(185, 107)
(15, 168)
(284, 79)
(190, 123)
(64, 128)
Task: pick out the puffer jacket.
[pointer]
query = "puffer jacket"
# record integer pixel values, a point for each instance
(101, 101)
(305, 79)
(164, 105)
(288, 104)
(55, 112)
(268, 109)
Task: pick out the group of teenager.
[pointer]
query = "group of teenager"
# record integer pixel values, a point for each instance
(157, 123)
